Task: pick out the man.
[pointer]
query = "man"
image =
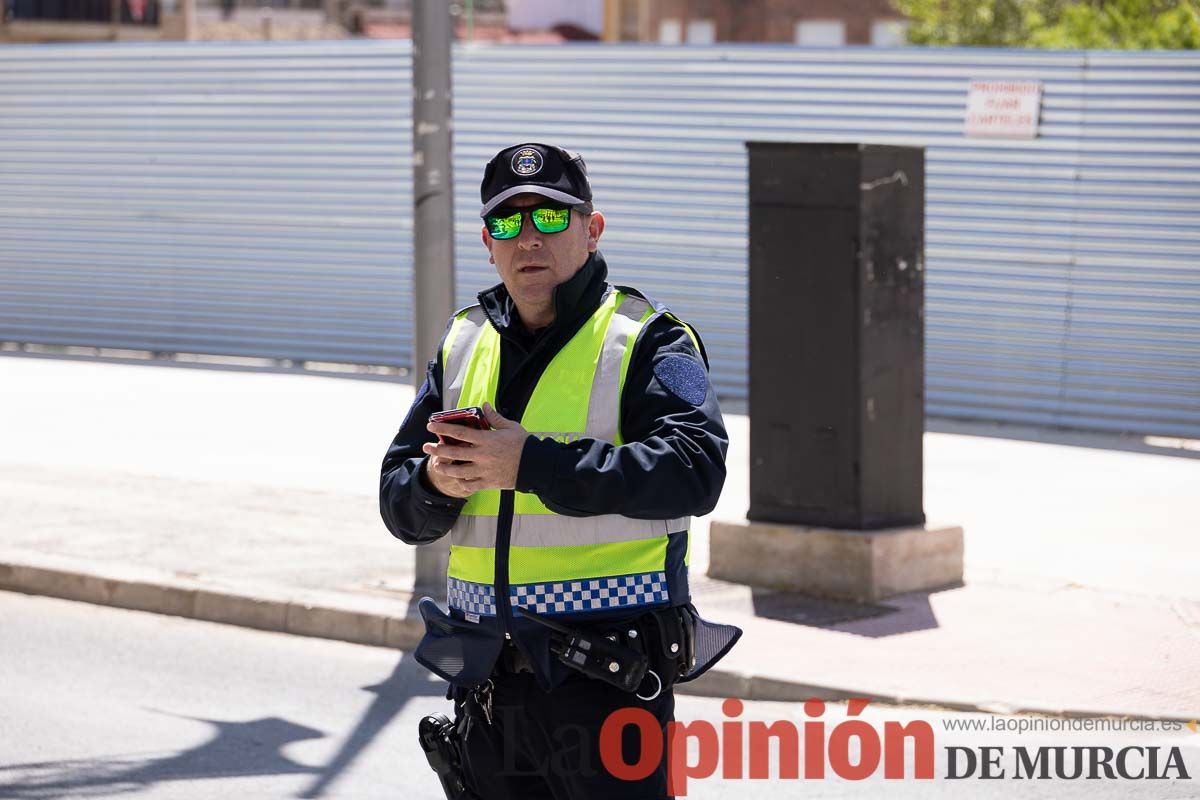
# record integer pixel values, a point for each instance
(573, 510)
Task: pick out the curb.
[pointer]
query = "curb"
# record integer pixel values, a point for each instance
(384, 622)
(725, 684)
(326, 615)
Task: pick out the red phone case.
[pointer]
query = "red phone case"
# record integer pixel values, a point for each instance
(471, 417)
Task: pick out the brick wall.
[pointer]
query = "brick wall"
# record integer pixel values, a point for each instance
(773, 20)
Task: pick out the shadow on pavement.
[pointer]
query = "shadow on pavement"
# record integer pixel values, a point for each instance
(238, 749)
(1071, 437)
(217, 363)
(904, 614)
(407, 681)
(235, 750)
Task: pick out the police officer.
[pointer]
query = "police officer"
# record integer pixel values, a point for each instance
(570, 516)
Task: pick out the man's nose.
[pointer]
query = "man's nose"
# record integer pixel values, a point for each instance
(530, 237)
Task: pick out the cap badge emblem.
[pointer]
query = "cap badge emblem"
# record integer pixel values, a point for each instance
(527, 162)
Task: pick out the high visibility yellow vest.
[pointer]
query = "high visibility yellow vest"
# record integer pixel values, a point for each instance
(557, 564)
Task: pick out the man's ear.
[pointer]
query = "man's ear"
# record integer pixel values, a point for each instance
(487, 242)
(595, 231)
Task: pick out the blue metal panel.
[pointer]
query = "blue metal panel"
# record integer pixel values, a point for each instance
(1132, 354)
(663, 130)
(255, 199)
(233, 199)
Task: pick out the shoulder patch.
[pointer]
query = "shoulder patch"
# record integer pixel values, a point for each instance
(683, 378)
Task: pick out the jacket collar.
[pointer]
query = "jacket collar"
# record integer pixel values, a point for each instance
(574, 299)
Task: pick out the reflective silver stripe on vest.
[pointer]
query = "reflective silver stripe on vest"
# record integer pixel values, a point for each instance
(591, 594)
(604, 405)
(552, 530)
(454, 371)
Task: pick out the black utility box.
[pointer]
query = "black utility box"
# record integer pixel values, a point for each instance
(837, 334)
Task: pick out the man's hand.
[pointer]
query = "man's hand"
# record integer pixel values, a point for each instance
(490, 459)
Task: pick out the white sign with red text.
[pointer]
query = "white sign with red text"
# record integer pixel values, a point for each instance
(1005, 109)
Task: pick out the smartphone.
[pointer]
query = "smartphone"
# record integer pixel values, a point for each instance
(472, 417)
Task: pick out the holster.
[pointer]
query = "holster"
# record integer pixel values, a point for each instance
(670, 638)
(441, 740)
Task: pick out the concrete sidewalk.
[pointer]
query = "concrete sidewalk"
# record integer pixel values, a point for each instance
(249, 498)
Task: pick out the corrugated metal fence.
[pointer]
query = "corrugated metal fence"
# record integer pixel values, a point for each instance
(254, 199)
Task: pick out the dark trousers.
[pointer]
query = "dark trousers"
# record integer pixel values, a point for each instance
(546, 745)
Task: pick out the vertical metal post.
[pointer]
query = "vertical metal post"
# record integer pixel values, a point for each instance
(646, 21)
(433, 218)
(612, 21)
(189, 20)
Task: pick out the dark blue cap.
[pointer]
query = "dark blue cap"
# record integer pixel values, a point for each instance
(537, 168)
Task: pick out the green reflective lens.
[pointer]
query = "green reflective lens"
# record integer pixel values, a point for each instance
(506, 223)
(504, 227)
(551, 220)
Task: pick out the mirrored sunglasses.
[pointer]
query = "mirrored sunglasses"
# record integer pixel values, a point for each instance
(506, 223)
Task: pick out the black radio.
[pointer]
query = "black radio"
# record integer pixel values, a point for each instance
(593, 654)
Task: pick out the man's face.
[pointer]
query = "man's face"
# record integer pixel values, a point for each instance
(532, 263)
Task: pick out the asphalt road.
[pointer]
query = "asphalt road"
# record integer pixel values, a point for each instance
(99, 702)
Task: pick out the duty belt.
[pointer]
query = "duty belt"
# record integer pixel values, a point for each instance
(645, 654)
(512, 660)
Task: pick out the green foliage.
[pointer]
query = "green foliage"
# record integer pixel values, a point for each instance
(1082, 24)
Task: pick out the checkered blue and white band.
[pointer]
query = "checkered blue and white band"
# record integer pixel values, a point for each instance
(594, 594)
(564, 597)
(471, 598)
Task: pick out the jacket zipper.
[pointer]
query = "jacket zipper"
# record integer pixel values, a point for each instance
(500, 580)
(507, 496)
